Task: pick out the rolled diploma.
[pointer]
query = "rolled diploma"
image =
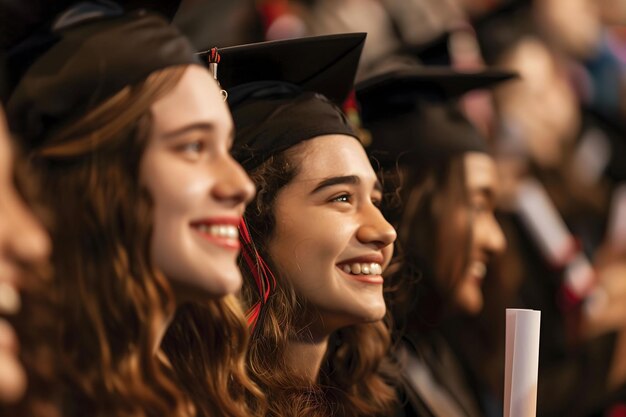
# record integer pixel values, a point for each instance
(521, 362)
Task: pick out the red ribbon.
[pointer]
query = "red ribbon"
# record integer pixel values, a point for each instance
(263, 276)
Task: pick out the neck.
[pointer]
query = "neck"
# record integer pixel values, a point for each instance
(304, 356)
(162, 325)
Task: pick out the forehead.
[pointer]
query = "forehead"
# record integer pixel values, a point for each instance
(480, 171)
(333, 155)
(195, 99)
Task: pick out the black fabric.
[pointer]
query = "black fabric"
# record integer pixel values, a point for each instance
(284, 92)
(271, 117)
(85, 60)
(404, 85)
(449, 377)
(19, 18)
(429, 132)
(323, 64)
(412, 116)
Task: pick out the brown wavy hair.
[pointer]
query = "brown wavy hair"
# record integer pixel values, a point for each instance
(430, 257)
(350, 382)
(112, 302)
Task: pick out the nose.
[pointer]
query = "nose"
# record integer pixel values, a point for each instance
(22, 238)
(491, 237)
(233, 184)
(375, 229)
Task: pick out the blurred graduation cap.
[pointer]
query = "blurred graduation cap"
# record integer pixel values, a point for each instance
(87, 54)
(434, 52)
(501, 28)
(284, 92)
(412, 113)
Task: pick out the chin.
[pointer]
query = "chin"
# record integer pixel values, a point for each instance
(473, 306)
(225, 284)
(373, 313)
(204, 286)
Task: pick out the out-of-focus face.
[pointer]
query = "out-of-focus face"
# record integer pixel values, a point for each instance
(540, 108)
(575, 25)
(199, 192)
(613, 11)
(330, 241)
(22, 242)
(487, 238)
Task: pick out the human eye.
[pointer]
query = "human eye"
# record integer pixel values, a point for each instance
(342, 198)
(196, 146)
(192, 149)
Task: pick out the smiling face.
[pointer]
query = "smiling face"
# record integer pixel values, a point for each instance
(330, 240)
(486, 236)
(199, 192)
(22, 242)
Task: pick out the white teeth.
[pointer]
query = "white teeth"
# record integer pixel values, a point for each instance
(221, 230)
(363, 268)
(479, 269)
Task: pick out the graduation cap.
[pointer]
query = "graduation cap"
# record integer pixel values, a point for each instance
(91, 51)
(19, 19)
(284, 92)
(412, 116)
(434, 52)
(323, 64)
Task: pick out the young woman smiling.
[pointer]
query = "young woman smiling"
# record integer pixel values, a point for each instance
(315, 241)
(134, 138)
(444, 184)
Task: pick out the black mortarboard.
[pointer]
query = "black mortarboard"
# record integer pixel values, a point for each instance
(435, 52)
(413, 118)
(284, 92)
(323, 64)
(20, 18)
(92, 51)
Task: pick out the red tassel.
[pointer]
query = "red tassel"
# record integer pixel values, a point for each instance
(263, 276)
(213, 57)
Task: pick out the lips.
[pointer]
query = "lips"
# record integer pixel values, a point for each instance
(219, 231)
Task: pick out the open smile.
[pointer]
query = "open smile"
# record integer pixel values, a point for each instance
(221, 232)
(367, 272)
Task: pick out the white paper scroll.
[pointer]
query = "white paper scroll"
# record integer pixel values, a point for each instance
(551, 235)
(521, 365)
(544, 222)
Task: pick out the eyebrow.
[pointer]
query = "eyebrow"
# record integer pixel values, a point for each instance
(208, 127)
(346, 179)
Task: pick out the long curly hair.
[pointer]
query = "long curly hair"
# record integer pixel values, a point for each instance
(431, 255)
(351, 381)
(112, 302)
